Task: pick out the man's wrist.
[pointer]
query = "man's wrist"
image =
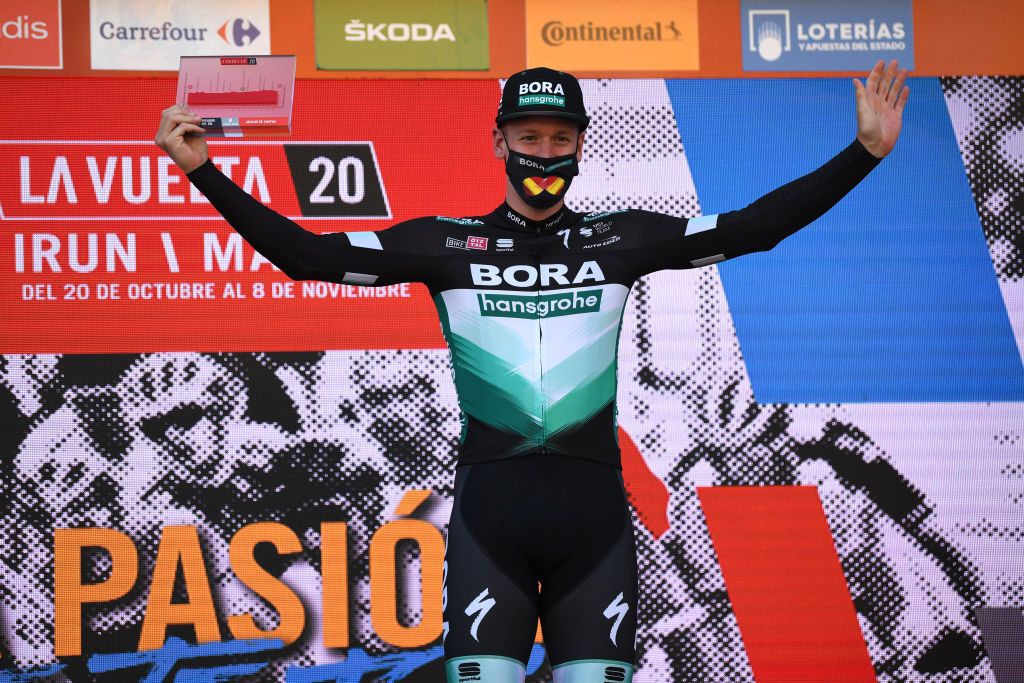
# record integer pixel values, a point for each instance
(868, 149)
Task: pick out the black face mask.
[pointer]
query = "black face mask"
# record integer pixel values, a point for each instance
(541, 181)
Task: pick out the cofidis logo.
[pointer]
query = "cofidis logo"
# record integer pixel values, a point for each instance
(825, 35)
(30, 35)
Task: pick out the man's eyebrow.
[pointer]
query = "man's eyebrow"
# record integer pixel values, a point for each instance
(557, 131)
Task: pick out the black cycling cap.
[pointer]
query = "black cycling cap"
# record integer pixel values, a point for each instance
(542, 92)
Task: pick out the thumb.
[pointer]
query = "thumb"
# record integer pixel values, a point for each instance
(858, 88)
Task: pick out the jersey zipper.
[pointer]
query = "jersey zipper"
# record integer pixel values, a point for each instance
(540, 363)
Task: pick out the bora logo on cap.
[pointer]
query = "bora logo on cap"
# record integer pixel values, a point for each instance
(541, 92)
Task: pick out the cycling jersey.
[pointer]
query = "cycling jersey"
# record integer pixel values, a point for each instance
(531, 310)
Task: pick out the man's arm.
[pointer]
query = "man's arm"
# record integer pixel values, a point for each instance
(671, 242)
(360, 258)
(667, 242)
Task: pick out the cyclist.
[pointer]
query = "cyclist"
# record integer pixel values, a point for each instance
(530, 298)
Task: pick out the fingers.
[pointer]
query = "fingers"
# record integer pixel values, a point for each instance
(183, 128)
(170, 121)
(897, 87)
(886, 82)
(875, 76)
(902, 101)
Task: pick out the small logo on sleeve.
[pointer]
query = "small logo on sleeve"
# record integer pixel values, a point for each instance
(471, 242)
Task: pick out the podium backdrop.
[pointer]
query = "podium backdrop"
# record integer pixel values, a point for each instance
(208, 468)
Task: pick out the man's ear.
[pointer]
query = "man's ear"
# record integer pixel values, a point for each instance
(579, 146)
(499, 143)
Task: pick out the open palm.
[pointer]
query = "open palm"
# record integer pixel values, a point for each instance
(880, 107)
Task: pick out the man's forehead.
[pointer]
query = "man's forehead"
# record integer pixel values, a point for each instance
(548, 124)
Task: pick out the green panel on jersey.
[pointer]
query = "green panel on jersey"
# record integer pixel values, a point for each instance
(537, 377)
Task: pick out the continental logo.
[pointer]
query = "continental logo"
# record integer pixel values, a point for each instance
(556, 33)
(542, 306)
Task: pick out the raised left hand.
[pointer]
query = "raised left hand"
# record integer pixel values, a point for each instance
(880, 107)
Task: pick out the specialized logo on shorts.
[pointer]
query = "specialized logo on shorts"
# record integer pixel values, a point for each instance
(542, 306)
(471, 242)
(480, 606)
(616, 609)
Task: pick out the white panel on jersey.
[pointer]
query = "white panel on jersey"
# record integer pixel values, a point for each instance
(701, 223)
(366, 240)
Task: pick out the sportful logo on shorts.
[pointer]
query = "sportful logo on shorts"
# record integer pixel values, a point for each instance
(469, 671)
(614, 674)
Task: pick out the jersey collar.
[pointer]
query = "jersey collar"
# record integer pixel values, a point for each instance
(505, 216)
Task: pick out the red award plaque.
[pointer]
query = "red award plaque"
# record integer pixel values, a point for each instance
(239, 96)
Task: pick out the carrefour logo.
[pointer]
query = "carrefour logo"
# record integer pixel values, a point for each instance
(540, 306)
(238, 32)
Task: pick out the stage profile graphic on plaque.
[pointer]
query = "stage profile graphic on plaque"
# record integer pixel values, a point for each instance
(239, 96)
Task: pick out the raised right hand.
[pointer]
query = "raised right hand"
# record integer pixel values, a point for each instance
(188, 151)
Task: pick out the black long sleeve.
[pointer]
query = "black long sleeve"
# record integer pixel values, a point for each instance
(372, 258)
(682, 243)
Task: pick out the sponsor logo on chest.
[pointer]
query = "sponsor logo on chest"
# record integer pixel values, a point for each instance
(544, 274)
